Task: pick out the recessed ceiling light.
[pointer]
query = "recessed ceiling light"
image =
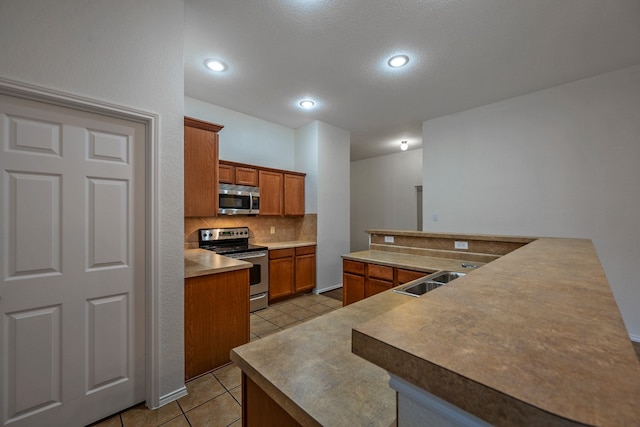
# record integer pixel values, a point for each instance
(404, 145)
(398, 61)
(215, 65)
(307, 103)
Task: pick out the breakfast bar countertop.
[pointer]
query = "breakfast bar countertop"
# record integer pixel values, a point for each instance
(533, 338)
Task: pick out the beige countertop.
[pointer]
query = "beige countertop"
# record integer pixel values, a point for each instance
(413, 262)
(200, 262)
(533, 338)
(311, 372)
(287, 244)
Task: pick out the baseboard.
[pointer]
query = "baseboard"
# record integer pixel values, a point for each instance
(174, 395)
(330, 288)
(635, 338)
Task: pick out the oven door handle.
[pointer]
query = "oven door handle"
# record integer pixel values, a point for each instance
(248, 255)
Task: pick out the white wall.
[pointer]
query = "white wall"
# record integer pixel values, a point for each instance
(383, 194)
(560, 162)
(306, 160)
(333, 204)
(247, 139)
(130, 53)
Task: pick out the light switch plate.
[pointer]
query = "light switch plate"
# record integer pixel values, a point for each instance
(388, 239)
(461, 245)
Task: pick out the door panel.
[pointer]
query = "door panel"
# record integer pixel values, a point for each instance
(72, 264)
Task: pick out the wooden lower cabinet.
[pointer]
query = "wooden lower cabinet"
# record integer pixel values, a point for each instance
(291, 271)
(305, 265)
(352, 288)
(260, 410)
(379, 278)
(361, 280)
(216, 319)
(281, 273)
(352, 281)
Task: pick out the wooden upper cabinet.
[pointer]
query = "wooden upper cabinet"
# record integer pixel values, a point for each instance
(226, 173)
(271, 193)
(246, 176)
(200, 168)
(293, 194)
(233, 173)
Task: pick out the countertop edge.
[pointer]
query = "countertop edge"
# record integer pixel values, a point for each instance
(274, 392)
(286, 245)
(201, 262)
(417, 262)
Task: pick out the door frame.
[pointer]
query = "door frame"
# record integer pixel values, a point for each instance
(150, 121)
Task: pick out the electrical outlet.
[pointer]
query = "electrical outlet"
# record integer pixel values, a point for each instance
(435, 216)
(388, 239)
(461, 245)
(273, 230)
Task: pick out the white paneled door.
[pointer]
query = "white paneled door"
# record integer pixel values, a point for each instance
(72, 264)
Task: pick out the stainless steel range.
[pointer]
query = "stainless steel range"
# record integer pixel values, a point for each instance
(234, 243)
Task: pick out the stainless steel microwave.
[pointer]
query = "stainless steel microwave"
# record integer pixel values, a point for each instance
(238, 200)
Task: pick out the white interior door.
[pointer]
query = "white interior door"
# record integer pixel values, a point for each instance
(72, 264)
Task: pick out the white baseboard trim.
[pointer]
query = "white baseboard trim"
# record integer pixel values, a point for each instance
(174, 395)
(635, 338)
(330, 288)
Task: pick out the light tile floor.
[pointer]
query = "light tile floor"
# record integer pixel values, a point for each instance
(214, 399)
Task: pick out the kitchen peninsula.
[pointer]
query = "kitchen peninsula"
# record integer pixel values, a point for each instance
(534, 337)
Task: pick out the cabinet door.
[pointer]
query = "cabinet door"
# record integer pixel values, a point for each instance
(281, 273)
(246, 176)
(200, 168)
(226, 173)
(305, 268)
(271, 188)
(216, 319)
(352, 288)
(375, 286)
(293, 194)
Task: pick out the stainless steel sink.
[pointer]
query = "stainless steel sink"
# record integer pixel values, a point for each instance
(422, 286)
(446, 276)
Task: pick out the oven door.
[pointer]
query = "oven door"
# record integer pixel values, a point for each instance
(258, 278)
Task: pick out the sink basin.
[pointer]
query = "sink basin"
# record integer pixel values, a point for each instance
(428, 283)
(446, 276)
(417, 289)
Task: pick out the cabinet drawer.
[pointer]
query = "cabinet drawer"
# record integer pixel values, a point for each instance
(305, 250)
(353, 267)
(281, 253)
(405, 276)
(381, 272)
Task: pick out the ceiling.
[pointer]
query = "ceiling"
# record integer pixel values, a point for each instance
(463, 54)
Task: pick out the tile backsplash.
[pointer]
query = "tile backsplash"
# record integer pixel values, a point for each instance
(285, 228)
